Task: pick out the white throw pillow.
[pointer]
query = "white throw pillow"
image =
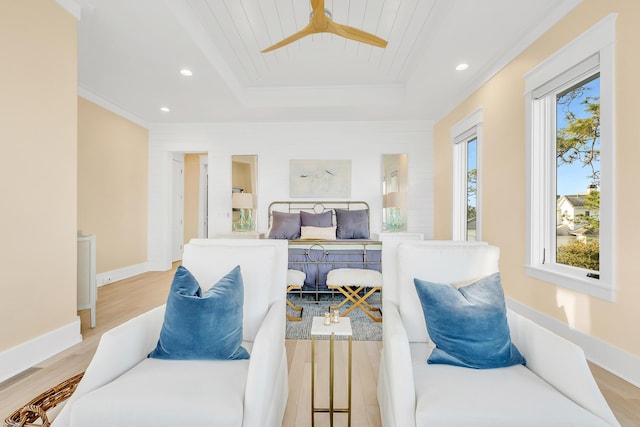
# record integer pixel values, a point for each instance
(317, 233)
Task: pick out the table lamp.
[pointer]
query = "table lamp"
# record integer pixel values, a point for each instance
(244, 202)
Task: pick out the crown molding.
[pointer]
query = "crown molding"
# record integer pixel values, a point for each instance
(96, 99)
(562, 8)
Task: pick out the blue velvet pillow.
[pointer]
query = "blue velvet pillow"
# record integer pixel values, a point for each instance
(352, 224)
(468, 325)
(308, 219)
(285, 225)
(202, 327)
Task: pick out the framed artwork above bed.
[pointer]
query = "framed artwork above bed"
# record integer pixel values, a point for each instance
(320, 178)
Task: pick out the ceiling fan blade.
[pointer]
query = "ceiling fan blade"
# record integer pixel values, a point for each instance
(321, 23)
(319, 20)
(308, 30)
(317, 5)
(355, 34)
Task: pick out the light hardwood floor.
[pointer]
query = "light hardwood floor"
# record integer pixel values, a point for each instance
(125, 299)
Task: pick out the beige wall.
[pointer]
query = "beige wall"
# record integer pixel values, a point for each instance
(191, 195)
(38, 113)
(503, 188)
(241, 176)
(113, 162)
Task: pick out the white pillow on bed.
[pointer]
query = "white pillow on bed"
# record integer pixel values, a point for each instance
(317, 233)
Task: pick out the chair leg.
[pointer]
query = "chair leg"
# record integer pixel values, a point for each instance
(294, 307)
(352, 294)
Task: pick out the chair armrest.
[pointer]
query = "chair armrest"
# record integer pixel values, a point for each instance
(120, 349)
(396, 389)
(559, 362)
(266, 365)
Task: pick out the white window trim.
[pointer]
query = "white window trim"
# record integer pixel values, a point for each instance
(462, 132)
(598, 40)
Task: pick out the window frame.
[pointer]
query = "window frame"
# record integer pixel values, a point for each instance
(462, 132)
(540, 140)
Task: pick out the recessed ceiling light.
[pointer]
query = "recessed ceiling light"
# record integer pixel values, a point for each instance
(165, 109)
(462, 67)
(186, 72)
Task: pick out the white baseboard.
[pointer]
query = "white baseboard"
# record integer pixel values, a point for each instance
(617, 361)
(30, 353)
(159, 265)
(121, 273)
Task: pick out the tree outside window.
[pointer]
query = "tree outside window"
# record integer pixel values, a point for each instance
(472, 189)
(578, 174)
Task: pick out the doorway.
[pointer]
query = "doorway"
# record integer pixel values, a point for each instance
(178, 209)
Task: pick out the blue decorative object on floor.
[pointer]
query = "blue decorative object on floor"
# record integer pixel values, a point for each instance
(364, 329)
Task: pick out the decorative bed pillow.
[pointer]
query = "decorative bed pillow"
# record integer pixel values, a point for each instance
(202, 327)
(318, 233)
(285, 225)
(324, 219)
(352, 224)
(468, 325)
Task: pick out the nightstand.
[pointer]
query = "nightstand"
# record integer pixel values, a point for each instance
(398, 235)
(240, 235)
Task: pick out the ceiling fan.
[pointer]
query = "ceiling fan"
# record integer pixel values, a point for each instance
(320, 22)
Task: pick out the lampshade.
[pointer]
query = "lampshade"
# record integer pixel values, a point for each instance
(396, 199)
(242, 201)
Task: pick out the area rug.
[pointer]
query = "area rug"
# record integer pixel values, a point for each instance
(364, 329)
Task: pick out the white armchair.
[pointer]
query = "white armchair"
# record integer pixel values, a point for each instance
(555, 388)
(123, 387)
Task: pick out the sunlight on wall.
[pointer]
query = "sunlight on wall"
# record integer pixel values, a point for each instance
(576, 308)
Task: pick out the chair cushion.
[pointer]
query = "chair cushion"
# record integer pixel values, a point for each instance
(168, 393)
(354, 277)
(263, 274)
(202, 326)
(438, 263)
(453, 396)
(296, 277)
(468, 325)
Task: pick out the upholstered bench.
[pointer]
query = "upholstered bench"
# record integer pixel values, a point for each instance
(350, 282)
(295, 280)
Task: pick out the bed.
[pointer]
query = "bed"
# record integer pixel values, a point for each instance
(324, 235)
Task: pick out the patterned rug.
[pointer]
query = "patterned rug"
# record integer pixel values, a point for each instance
(364, 329)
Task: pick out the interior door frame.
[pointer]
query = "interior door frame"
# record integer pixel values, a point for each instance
(177, 203)
(203, 202)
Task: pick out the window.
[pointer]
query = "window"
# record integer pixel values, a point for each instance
(577, 170)
(466, 137)
(570, 147)
(472, 188)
